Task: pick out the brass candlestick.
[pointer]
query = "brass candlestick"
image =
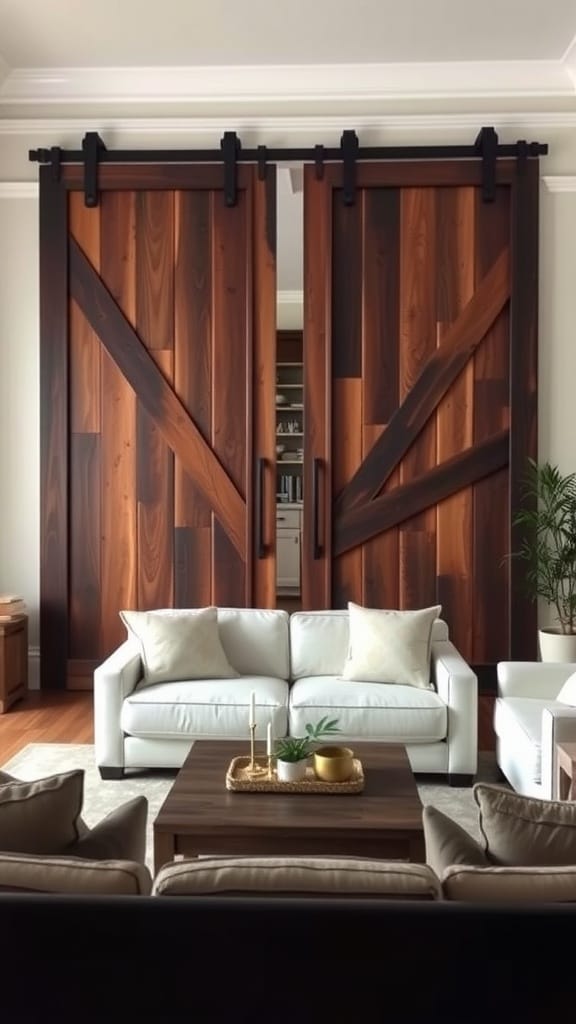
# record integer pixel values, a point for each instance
(254, 770)
(270, 771)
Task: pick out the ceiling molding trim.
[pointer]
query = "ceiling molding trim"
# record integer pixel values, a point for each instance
(289, 83)
(560, 182)
(74, 128)
(569, 62)
(18, 189)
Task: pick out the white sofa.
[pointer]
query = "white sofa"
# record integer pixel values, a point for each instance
(293, 664)
(529, 722)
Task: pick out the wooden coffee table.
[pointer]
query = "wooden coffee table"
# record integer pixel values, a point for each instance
(200, 816)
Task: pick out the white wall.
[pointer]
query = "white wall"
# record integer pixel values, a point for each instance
(19, 413)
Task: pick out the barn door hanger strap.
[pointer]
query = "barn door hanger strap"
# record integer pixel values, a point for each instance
(92, 147)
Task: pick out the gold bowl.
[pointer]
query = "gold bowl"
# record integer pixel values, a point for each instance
(333, 764)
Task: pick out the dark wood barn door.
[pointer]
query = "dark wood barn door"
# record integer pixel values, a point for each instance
(157, 350)
(420, 354)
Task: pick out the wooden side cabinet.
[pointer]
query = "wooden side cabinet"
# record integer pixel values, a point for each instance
(13, 660)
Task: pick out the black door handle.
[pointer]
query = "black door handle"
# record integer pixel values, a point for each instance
(316, 546)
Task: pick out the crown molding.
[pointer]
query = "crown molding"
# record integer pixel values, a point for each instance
(18, 189)
(339, 83)
(560, 182)
(74, 127)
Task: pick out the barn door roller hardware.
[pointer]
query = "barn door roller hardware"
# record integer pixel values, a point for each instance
(348, 153)
(92, 147)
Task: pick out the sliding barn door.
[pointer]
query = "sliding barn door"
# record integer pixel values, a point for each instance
(421, 375)
(157, 353)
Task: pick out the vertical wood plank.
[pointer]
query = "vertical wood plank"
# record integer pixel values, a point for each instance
(84, 347)
(380, 374)
(491, 414)
(347, 442)
(118, 515)
(231, 380)
(523, 390)
(263, 386)
(455, 287)
(192, 566)
(347, 268)
(417, 342)
(317, 565)
(53, 431)
(84, 545)
(155, 461)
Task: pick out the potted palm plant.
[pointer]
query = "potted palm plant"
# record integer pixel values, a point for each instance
(292, 752)
(548, 524)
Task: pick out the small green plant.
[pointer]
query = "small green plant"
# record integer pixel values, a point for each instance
(297, 748)
(548, 523)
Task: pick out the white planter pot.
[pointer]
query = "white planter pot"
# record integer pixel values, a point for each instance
(555, 646)
(291, 771)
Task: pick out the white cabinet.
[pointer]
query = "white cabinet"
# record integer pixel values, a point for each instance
(288, 539)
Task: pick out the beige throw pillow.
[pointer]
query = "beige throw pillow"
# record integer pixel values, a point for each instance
(523, 830)
(178, 645)
(567, 694)
(41, 817)
(390, 646)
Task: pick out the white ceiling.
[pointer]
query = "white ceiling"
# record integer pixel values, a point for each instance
(137, 33)
(182, 33)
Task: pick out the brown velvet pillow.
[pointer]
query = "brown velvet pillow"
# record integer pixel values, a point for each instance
(447, 843)
(121, 835)
(41, 817)
(523, 830)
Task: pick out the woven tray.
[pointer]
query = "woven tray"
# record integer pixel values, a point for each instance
(238, 780)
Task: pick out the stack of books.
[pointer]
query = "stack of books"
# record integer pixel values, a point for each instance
(11, 606)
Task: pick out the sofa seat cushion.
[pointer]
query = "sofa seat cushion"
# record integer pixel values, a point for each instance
(73, 875)
(369, 711)
(297, 876)
(518, 722)
(206, 708)
(510, 884)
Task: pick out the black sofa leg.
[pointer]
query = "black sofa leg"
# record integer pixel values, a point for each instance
(111, 773)
(460, 780)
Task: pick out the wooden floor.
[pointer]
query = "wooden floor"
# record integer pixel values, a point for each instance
(67, 717)
(48, 717)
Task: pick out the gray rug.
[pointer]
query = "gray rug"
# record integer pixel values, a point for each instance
(41, 759)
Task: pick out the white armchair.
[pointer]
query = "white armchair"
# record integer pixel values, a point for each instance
(529, 722)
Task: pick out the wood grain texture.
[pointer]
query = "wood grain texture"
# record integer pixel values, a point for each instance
(412, 498)
(192, 566)
(380, 313)
(193, 344)
(435, 377)
(417, 347)
(138, 367)
(154, 459)
(84, 347)
(54, 475)
(347, 271)
(316, 571)
(119, 545)
(381, 553)
(347, 442)
(523, 389)
(491, 413)
(85, 530)
(455, 210)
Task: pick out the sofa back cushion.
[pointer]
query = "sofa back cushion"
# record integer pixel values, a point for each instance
(297, 876)
(256, 640)
(74, 875)
(319, 642)
(523, 830)
(42, 816)
(510, 885)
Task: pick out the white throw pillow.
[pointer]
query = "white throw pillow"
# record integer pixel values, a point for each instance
(390, 646)
(179, 645)
(567, 694)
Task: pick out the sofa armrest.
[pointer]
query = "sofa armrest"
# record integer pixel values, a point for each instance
(558, 725)
(114, 679)
(540, 679)
(457, 685)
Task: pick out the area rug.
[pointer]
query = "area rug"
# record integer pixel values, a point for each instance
(41, 759)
